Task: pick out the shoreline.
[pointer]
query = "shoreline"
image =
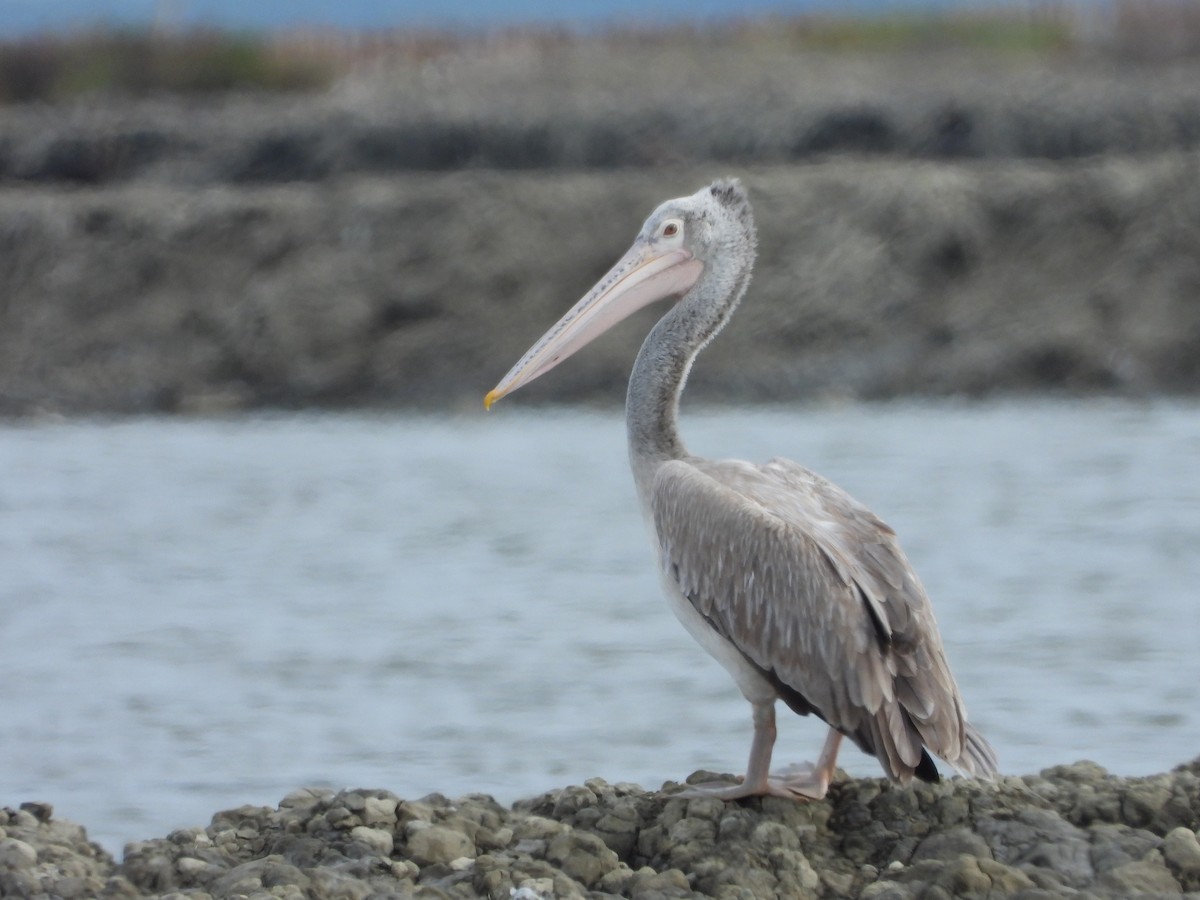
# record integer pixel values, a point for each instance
(1069, 829)
(945, 224)
(875, 280)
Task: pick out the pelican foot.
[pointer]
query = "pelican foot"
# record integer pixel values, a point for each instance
(801, 782)
(804, 781)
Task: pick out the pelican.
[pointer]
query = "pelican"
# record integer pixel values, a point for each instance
(796, 588)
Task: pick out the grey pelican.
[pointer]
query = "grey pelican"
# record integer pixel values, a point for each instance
(796, 588)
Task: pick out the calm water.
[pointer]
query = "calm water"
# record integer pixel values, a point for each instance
(199, 614)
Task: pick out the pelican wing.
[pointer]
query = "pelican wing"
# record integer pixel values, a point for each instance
(815, 592)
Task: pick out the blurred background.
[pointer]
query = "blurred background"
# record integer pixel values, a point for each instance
(260, 262)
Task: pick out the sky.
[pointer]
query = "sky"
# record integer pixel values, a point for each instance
(19, 17)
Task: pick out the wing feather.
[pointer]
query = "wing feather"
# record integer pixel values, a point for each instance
(813, 589)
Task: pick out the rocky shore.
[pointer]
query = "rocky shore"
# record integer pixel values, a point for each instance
(1070, 831)
(932, 224)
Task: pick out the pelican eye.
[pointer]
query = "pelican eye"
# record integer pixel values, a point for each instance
(670, 229)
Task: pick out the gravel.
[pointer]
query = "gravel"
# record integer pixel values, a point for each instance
(1070, 831)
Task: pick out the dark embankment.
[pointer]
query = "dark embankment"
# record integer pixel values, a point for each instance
(875, 279)
(1070, 831)
(931, 223)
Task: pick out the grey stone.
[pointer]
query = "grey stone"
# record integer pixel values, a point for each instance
(42, 812)
(15, 854)
(74, 886)
(437, 844)
(489, 839)
(334, 884)
(1040, 837)
(190, 867)
(618, 826)
(771, 834)
(886, 890)
(1145, 876)
(379, 811)
(1181, 851)
(583, 857)
(688, 830)
(1143, 801)
(378, 839)
(1114, 845)
(1034, 838)
(951, 843)
(23, 818)
(537, 827)
(796, 875)
(305, 798)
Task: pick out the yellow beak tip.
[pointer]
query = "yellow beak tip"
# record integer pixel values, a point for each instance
(491, 398)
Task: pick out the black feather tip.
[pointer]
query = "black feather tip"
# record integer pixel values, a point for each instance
(729, 192)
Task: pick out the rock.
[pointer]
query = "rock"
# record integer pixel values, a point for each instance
(1041, 837)
(1145, 876)
(336, 884)
(582, 856)
(190, 868)
(1181, 851)
(379, 811)
(305, 798)
(1144, 801)
(968, 877)
(437, 844)
(22, 818)
(534, 889)
(15, 854)
(537, 827)
(378, 839)
(886, 890)
(646, 882)
(797, 877)
(953, 842)
(42, 812)
(487, 839)
(768, 835)
(1115, 845)
(1037, 838)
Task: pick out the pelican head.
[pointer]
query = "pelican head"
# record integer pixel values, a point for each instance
(680, 241)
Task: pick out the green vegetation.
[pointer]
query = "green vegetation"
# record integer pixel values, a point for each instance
(907, 31)
(52, 68)
(144, 62)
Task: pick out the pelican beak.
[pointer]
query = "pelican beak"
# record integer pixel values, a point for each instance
(643, 275)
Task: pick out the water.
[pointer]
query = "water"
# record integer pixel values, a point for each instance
(26, 16)
(200, 614)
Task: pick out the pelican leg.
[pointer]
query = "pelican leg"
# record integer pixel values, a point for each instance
(809, 781)
(804, 782)
(797, 782)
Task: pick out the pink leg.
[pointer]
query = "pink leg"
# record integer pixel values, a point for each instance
(802, 782)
